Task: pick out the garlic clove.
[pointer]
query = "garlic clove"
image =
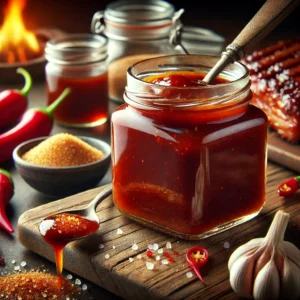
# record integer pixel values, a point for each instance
(267, 283)
(292, 252)
(290, 281)
(246, 249)
(241, 274)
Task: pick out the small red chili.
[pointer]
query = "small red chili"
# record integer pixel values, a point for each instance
(289, 187)
(13, 103)
(197, 257)
(149, 253)
(6, 193)
(36, 122)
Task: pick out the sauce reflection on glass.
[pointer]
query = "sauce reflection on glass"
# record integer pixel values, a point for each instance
(60, 229)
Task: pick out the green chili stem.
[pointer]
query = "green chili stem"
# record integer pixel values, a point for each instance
(28, 81)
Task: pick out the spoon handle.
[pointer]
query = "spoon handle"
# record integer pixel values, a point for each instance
(265, 20)
(102, 195)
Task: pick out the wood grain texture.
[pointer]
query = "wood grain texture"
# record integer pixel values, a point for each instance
(283, 152)
(133, 280)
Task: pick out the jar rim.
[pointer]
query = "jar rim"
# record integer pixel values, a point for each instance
(77, 49)
(149, 94)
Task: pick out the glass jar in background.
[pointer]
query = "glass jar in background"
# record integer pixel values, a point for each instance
(78, 61)
(189, 161)
(136, 30)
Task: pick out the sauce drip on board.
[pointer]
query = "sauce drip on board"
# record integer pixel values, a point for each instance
(187, 171)
(60, 229)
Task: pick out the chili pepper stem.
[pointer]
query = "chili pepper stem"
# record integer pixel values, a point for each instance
(51, 108)
(28, 81)
(4, 222)
(298, 179)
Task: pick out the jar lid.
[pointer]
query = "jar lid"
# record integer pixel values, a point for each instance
(199, 40)
(77, 49)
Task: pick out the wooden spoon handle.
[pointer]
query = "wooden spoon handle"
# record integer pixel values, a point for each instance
(265, 20)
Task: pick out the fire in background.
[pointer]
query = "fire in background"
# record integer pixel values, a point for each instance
(17, 44)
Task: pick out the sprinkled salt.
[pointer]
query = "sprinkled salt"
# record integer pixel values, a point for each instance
(164, 262)
(169, 245)
(69, 276)
(13, 262)
(135, 247)
(78, 281)
(101, 246)
(131, 259)
(160, 251)
(17, 268)
(84, 287)
(106, 256)
(45, 226)
(149, 265)
(157, 257)
(155, 246)
(150, 247)
(119, 231)
(189, 274)
(139, 256)
(23, 263)
(114, 247)
(226, 245)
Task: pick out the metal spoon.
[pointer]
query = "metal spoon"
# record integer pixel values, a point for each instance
(89, 212)
(265, 20)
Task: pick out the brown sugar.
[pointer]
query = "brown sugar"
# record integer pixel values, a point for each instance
(35, 285)
(62, 150)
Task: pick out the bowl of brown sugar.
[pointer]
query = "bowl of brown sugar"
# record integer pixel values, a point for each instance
(62, 164)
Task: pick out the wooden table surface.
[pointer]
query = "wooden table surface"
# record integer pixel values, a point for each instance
(225, 21)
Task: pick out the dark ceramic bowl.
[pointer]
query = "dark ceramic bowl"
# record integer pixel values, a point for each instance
(65, 181)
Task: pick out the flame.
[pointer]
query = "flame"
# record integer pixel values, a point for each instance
(15, 40)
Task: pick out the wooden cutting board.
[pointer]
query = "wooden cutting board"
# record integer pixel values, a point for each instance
(132, 280)
(283, 152)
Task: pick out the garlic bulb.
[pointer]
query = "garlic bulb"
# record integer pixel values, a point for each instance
(267, 268)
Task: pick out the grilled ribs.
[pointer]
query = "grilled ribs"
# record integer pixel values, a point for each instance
(275, 76)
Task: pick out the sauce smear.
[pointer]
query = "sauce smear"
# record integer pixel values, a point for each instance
(60, 229)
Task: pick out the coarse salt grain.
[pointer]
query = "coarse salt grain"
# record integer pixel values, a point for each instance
(23, 263)
(226, 245)
(157, 257)
(13, 262)
(160, 251)
(189, 274)
(164, 262)
(78, 281)
(131, 259)
(101, 246)
(119, 231)
(139, 256)
(17, 268)
(84, 287)
(150, 247)
(169, 245)
(106, 256)
(114, 247)
(69, 276)
(149, 265)
(135, 247)
(155, 246)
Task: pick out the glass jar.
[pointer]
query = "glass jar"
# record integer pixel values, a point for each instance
(189, 161)
(136, 30)
(78, 61)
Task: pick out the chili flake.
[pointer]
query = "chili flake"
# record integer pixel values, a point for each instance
(167, 254)
(149, 253)
(2, 262)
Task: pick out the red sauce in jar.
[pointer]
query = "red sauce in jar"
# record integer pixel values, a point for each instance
(187, 172)
(61, 229)
(87, 103)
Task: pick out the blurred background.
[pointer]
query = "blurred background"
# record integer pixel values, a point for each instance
(226, 18)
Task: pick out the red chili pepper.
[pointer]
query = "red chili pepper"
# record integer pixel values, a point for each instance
(36, 122)
(289, 187)
(6, 192)
(13, 103)
(197, 257)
